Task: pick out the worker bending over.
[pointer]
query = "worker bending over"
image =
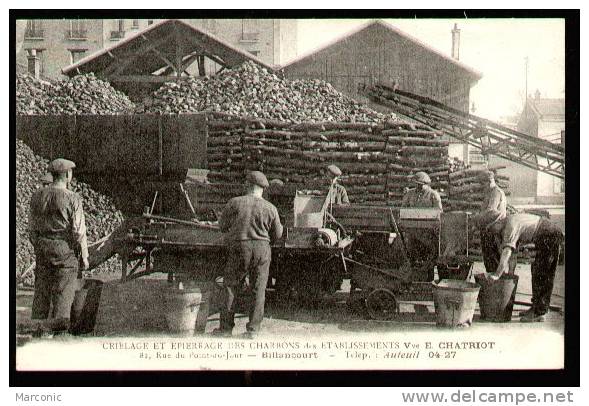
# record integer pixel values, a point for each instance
(250, 224)
(423, 245)
(57, 230)
(493, 209)
(524, 228)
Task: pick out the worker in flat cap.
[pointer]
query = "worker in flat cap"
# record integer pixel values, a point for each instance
(493, 209)
(525, 228)
(337, 193)
(250, 224)
(422, 195)
(422, 246)
(57, 230)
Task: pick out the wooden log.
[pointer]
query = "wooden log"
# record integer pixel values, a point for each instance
(344, 146)
(403, 169)
(273, 133)
(342, 136)
(292, 143)
(411, 133)
(425, 150)
(227, 142)
(406, 140)
(416, 162)
(324, 126)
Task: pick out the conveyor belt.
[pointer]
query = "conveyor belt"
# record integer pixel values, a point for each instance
(490, 137)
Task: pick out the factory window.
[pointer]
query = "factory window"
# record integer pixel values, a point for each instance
(249, 30)
(77, 54)
(118, 31)
(475, 157)
(34, 29)
(254, 53)
(77, 29)
(135, 24)
(558, 186)
(149, 22)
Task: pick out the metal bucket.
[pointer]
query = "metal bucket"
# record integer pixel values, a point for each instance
(455, 302)
(85, 306)
(187, 309)
(496, 298)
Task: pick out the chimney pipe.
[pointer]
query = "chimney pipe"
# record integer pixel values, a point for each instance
(456, 42)
(34, 66)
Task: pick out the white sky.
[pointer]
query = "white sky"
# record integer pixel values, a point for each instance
(494, 47)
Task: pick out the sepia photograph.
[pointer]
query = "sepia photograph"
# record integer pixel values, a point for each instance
(290, 194)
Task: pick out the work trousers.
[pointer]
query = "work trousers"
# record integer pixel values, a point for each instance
(422, 247)
(490, 250)
(54, 285)
(246, 259)
(547, 242)
(55, 279)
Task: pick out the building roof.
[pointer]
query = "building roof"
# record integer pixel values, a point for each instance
(547, 108)
(152, 49)
(379, 23)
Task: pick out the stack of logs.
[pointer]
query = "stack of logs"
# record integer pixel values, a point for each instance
(376, 159)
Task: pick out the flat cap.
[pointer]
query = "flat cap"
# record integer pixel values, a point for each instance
(60, 165)
(276, 182)
(257, 178)
(422, 178)
(334, 170)
(46, 179)
(487, 175)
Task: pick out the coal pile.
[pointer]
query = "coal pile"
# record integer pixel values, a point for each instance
(31, 95)
(101, 216)
(82, 94)
(250, 90)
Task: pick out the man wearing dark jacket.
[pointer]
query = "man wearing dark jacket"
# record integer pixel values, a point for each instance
(57, 230)
(250, 224)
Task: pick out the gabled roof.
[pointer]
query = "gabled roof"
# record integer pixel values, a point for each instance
(547, 108)
(379, 23)
(166, 38)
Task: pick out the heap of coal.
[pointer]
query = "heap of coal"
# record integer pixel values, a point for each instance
(82, 94)
(102, 217)
(250, 90)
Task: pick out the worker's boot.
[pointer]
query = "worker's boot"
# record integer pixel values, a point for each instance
(527, 313)
(530, 316)
(219, 332)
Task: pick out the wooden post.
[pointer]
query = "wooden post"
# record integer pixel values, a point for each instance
(201, 65)
(124, 265)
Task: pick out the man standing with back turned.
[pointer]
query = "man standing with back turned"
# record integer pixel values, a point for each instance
(57, 230)
(250, 223)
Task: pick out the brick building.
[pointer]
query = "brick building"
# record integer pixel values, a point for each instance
(55, 44)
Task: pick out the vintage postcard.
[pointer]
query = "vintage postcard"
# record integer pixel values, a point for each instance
(290, 194)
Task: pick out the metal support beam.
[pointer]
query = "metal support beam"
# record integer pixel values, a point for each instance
(489, 137)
